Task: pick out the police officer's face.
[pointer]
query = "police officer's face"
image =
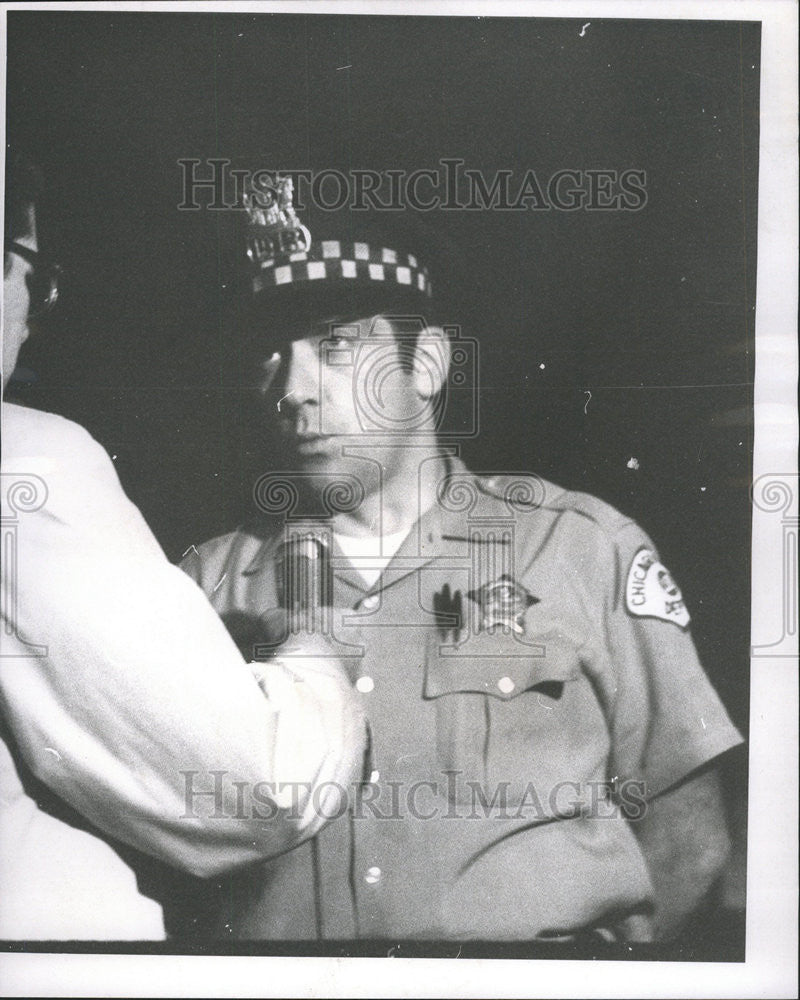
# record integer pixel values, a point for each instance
(328, 389)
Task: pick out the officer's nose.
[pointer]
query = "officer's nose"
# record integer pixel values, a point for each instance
(301, 386)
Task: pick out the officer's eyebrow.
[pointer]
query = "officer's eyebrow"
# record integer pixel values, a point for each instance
(340, 320)
(343, 326)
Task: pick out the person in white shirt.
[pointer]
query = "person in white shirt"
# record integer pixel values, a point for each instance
(128, 719)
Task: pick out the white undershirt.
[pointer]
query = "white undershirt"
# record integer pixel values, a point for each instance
(371, 554)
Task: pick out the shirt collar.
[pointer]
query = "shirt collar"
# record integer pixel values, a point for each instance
(439, 530)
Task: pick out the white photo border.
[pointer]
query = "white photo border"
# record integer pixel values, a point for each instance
(770, 969)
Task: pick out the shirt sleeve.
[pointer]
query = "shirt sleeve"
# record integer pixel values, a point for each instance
(125, 694)
(665, 717)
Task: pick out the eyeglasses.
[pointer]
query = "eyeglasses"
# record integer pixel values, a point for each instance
(42, 281)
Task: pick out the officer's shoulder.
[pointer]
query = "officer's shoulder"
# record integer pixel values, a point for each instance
(527, 491)
(521, 490)
(602, 515)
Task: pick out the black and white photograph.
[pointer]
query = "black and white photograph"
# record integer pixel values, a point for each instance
(383, 405)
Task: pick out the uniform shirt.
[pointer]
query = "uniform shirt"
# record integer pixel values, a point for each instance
(120, 691)
(527, 673)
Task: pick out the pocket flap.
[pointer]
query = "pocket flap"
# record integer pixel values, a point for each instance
(503, 669)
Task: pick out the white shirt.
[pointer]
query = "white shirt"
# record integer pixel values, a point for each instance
(371, 554)
(116, 681)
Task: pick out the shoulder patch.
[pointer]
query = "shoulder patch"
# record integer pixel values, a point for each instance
(650, 591)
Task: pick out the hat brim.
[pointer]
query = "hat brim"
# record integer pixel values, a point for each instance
(293, 311)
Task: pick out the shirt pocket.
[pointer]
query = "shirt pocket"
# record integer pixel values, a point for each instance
(496, 706)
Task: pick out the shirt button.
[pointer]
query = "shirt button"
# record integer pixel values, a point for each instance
(374, 777)
(370, 602)
(373, 875)
(365, 684)
(506, 685)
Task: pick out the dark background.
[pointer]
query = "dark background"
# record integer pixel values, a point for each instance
(650, 312)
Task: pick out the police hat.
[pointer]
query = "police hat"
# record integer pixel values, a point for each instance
(347, 266)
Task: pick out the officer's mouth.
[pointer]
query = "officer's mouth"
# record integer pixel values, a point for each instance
(312, 444)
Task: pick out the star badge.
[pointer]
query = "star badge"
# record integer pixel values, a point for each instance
(503, 602)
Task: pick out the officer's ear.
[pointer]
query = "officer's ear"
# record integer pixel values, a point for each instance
(431, 362)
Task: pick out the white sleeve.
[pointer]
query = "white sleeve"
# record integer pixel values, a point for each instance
(137, 708)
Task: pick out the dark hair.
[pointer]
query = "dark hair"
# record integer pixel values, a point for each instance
(23, 185)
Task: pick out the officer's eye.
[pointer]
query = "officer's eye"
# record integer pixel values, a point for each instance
(338, 352)
(343, 335)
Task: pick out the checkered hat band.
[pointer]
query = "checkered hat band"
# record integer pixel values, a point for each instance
(334, 260)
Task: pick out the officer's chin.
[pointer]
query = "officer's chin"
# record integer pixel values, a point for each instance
(319, 471)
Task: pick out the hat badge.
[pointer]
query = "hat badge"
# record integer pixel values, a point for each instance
(274, 229)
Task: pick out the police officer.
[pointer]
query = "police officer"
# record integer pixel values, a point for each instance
(543, 736)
